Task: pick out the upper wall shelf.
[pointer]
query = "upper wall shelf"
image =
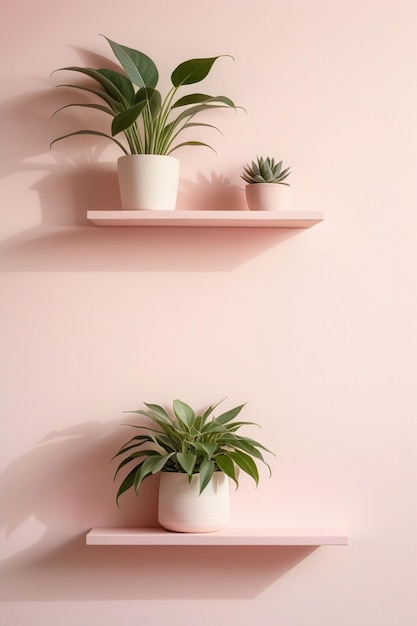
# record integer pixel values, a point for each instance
(227, 537)
(230, 219)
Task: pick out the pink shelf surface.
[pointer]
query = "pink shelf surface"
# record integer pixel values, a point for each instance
(227, 537)
(230, 219)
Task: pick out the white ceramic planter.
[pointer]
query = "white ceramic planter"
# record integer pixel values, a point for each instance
(268, 197)
(182, 509)
(148, 182)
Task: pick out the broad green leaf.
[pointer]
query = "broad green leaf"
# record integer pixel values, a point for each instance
(159, 410)
(202, 419)
(226, 465)
(165, 442)
(206, 472)
(168, 427)
(229, 415)
(89, 132)
(194, 124)
(184, 413)
(190, 143)
(126, 484)
(135, 456)
(242, 444)
(212, 407)
(114, 104)
(122, 84)
(197, 423)
(162, 461)
(246, 463)
(97, 75)
(169, 130)
(135, 438)
(173, 434)
(153, 99)
(140, 68)
(198, 98)
(234, 426)
(239, 442)
(257, 444)
(213, 427)
(146, 469)
(168, 137)
(207, 448)
(187, 462)
(153, 415)
(99, 107)
(155, 436)
(194, 110)
(128, 447)
(126, 118)
(191, 98)
(192, 71)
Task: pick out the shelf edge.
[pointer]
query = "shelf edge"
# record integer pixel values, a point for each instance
(228, 219)
(229, 537)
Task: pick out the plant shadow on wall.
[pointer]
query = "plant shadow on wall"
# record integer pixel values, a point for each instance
(214, 193)
(65, 240)
(76, 177)
(67, 182)
(65, 485)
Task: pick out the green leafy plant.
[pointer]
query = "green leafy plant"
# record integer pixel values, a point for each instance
(150, 124)
(189, 443)
(265, 171)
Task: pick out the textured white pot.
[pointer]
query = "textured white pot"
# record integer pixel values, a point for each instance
(148, 181)
(181, 509)
(268, 197)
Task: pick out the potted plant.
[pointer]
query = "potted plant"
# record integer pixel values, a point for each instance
(267, 189)
(150, 125)
(195, 455)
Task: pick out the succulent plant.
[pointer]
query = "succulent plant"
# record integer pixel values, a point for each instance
(265, 171)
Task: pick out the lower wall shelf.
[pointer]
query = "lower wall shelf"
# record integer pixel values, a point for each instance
(227, 537)
(228, 219)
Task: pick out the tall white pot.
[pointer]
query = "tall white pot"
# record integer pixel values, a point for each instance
(268, 196)
(148, 181)
(182, 509)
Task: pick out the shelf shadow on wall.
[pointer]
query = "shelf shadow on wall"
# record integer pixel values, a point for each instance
(65, 486)
(121, 249)
(66, 241)
(74, 571)
(74, 177)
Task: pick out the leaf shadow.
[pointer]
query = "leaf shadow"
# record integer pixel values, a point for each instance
(66, 484)
(76, 572)
(74, 178)
(210, 193)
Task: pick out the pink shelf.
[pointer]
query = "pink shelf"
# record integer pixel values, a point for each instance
(229, 219)
(228, 537)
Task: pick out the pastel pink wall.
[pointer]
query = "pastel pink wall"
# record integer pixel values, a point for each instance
(316, 330)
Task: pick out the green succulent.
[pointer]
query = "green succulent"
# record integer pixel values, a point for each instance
(189, 443)
(149, 123)
(265, 171)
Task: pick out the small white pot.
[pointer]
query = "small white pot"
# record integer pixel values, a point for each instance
(148, 181)
(183, 510)
(268, 196)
